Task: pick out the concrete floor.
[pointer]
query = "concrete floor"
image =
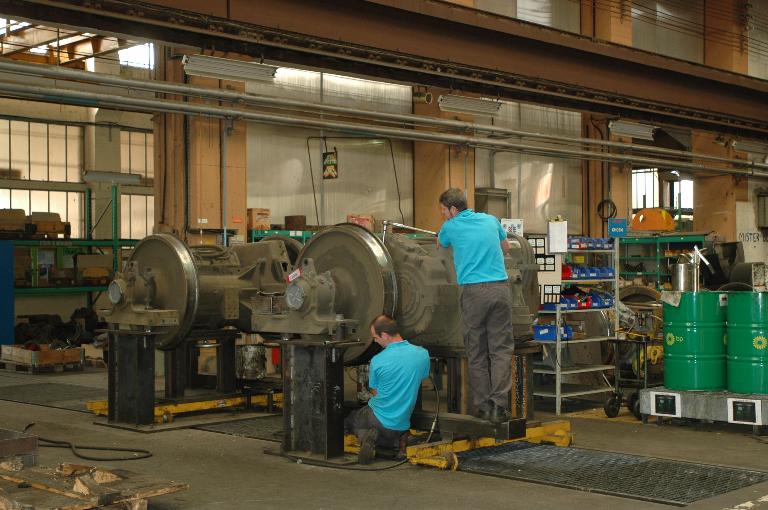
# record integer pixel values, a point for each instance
(225, 471)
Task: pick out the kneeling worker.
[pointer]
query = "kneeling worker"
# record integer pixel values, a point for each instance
(395, 378)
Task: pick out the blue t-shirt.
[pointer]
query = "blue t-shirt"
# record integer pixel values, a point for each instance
(396, 374)
(476, 242)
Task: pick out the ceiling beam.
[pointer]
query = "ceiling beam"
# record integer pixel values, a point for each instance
(435, 43)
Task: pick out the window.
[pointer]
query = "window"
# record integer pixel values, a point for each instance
(137, 154)
(654, 188)
(142, 56)
(645, 188)
(49, 154)
(137, 212)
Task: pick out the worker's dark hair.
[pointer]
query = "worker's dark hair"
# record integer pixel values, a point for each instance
(385, 324)
(454, 197)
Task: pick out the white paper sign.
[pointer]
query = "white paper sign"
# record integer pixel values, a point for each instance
(557, 235)
(512, 226)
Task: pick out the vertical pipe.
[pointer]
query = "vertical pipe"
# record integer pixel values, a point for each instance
(225, 130)
(115, 237)
(87, 210)
(323, 149)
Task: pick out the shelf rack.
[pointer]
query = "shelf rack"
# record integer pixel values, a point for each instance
(651, 249)
(561, 390)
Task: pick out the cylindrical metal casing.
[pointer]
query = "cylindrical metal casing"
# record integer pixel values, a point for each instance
(694, 342)
(747, 359)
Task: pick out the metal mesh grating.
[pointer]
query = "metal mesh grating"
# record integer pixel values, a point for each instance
(63, 396)
(267, 428)
(616, 474)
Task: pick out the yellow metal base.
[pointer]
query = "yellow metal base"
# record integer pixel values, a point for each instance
(442, 454)
(165, 413)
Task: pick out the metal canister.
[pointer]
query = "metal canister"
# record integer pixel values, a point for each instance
(251, 362)
(748, 342)
(694, 341)
(681, 277)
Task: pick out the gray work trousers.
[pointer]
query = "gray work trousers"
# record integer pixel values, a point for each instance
(486, 310)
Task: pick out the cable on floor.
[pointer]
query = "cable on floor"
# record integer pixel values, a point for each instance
(138, 453)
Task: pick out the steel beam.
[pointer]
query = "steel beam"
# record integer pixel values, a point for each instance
(440, 44)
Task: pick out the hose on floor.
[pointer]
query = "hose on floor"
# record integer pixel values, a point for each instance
(137, 453)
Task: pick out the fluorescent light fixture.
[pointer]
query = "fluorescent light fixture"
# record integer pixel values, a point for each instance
(751, 146)
(112, 177)
(227, 69)
(632, 129)
(474, 105)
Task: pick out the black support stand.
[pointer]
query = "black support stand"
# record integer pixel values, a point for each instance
(131, 377)
(313, 398)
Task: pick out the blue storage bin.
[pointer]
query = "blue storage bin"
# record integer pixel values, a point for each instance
(549, 333)
(593, 272)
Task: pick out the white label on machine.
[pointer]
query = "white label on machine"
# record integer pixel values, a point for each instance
(745, 411)
(666, 404)
(294, 275)
(723, 299)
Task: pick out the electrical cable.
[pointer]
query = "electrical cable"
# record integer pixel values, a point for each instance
(397, 183)
(606, 209)
(138, 453)
(320, 463)
(312, 178)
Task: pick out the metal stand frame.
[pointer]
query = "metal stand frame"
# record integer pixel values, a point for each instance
(131, 372)
(313, 399)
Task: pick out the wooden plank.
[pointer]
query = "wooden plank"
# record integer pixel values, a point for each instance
(79, 487)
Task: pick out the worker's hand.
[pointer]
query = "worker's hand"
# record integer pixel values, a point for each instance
(374, 391)
(505, 246)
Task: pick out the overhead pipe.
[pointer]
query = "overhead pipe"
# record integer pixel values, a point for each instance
(52, 95)
(245, 98)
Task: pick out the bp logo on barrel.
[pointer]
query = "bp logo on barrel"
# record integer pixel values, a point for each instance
(670, 339)
(760, 342)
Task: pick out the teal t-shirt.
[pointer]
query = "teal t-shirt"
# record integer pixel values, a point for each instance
(396, 374)
(476, 242)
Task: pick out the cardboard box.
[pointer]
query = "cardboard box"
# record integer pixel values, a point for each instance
(45, 356)
(364, 220)
(85, 260)
(257, 218)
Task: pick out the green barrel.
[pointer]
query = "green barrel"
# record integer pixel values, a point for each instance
(694, 342)
(748, 342)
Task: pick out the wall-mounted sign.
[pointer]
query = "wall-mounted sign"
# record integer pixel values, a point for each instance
(617, 227)
(331, 164)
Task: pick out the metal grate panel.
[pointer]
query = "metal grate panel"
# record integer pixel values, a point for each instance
(62, 396)
(267, 428)
(616, 474)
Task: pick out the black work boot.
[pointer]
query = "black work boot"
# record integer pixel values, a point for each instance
(483, 411)
(499, 415)
(368, 447)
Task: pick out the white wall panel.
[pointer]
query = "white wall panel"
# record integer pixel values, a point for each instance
(541, 186)
(669, 27)
(279, 156)
(560, 14)
(758, 39)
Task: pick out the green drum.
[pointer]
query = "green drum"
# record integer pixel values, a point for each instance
(694, 342)
(748, 342)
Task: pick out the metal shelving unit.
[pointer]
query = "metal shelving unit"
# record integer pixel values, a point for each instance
(651, 249)
(560, 390)
(300, 235)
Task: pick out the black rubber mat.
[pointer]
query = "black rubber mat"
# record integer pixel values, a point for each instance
(62, 396)
(267, 428)
(630, 476)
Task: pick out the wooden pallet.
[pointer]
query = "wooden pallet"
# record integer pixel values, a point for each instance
(14, 366)
(78, 487)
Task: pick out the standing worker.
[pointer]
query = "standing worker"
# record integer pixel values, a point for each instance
(395, 378)
(479, 242)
